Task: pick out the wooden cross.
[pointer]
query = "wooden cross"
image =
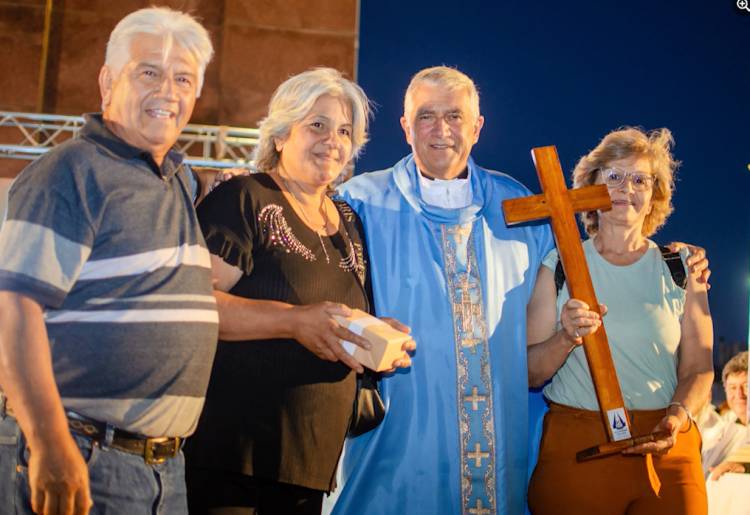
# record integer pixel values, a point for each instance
(560, 205)
(479, 509)
(475, 398)
(478, 455)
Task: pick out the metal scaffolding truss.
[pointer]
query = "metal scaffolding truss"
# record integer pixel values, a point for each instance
(28, 135)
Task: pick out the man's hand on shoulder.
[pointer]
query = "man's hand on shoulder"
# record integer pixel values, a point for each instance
(697, 261)
(209, 178)
(58, 478)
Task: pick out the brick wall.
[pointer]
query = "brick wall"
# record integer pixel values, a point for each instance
(258, 44)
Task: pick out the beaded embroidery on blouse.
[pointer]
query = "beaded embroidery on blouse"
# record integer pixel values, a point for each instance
(273, 223)
(355, 261)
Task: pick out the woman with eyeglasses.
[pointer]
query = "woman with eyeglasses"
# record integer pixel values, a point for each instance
(661, 339)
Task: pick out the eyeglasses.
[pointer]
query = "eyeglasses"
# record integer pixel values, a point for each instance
(614, 178)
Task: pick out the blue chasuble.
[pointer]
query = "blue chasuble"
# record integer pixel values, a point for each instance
(454, 439)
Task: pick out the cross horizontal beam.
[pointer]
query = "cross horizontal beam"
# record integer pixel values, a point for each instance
(524, 209)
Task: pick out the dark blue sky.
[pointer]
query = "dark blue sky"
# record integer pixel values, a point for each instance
(566, 73)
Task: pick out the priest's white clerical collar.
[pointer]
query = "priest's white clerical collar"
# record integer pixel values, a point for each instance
(450, 194)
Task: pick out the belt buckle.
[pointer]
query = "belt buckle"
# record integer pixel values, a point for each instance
(148, 453)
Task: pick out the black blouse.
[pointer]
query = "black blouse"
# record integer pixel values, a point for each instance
(274, 409)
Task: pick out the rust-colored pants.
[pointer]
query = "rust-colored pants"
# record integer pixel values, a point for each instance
(617, 484)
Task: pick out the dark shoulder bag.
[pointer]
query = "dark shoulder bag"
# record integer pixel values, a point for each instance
(369, 410)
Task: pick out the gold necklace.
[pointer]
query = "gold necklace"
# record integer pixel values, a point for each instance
(323, 210)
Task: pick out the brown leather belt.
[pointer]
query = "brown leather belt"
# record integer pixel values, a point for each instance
(153, 450)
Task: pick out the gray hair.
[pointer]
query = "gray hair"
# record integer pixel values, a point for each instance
(292, 101)
(175, 26)
(446, 77)
(736, 365)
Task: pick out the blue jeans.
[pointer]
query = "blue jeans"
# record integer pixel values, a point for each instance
(121, 483)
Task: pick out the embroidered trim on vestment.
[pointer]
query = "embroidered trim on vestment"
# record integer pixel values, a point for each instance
(474, 374)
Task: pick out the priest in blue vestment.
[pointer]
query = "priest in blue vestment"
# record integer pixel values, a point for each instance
(455, 436)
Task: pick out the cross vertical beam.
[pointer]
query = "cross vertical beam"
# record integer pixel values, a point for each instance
(578, 279)
(560, 205)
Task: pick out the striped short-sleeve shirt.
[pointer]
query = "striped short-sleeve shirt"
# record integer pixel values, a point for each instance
(109, 244)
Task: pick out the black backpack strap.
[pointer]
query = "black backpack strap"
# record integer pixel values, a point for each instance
(672, 259)
(676, 268)
(559, 276)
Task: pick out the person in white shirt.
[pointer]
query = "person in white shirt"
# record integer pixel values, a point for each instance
(725, 433)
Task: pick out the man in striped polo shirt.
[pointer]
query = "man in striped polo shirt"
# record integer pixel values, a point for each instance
(108, 324)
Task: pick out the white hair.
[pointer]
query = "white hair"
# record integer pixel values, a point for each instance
(445, 77)
(176, 27)
(292, 101)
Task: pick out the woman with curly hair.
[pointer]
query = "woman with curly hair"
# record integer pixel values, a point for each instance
(660, 336)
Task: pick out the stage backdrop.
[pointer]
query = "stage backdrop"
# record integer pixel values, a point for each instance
(566, 73)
